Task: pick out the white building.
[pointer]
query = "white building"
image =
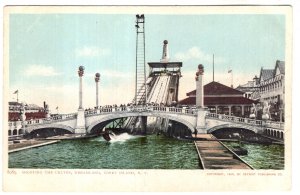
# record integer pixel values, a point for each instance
(271, 84)
(250, 89)
(268, 87)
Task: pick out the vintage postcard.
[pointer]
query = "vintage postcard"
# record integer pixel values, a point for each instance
(147, 98)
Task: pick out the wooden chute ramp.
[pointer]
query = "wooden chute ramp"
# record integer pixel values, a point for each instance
(214, 154)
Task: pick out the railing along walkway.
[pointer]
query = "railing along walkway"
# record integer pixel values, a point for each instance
(58, 118)
(161, 109)
(247, 121)
(130, 109)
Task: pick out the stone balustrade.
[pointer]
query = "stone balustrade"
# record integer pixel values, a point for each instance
(140, 109)
(235, 119)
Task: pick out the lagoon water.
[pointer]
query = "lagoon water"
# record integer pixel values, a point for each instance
(126, 151)
(123, 152)
(263, 156)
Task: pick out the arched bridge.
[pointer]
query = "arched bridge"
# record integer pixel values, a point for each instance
(99, 118)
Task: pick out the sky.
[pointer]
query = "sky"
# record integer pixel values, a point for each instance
(45, 51)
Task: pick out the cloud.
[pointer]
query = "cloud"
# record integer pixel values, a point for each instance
(41, 70)
(91, 51)
(195, 53)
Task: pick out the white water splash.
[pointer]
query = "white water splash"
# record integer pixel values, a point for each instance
(121, 137)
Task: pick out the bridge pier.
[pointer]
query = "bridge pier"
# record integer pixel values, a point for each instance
(143, 120)
(200, 123)
(80, 122)
(201, 113)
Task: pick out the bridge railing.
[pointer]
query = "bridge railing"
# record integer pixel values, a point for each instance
(173, 110)
(186, 111)
(249, 121)
(272, 124)
(61, 117)
(140, 109)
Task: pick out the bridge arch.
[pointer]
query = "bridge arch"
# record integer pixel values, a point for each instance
(50, 126)
(111, 117)
(233, 126)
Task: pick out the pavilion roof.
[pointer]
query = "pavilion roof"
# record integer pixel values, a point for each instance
(215, 88)
(218, 101)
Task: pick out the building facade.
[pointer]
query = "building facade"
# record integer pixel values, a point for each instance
(272, 89)
(221, 99)
(268, 87)
(250, 89)
(32, 111)
(271, 83)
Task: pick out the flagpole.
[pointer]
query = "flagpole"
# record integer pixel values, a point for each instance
(231, 79)
(213, 67)
(17, 92)
(231, 72)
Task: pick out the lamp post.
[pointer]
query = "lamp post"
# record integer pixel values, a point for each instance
(97, 79)
(80, 122)
(199, 87)
(201, 112)
(80, 74)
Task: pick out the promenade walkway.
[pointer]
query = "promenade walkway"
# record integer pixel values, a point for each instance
(26, 144)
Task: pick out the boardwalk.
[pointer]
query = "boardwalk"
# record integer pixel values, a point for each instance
(214, 155)
(26, 144)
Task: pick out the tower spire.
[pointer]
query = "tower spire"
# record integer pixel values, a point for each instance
(165, 55)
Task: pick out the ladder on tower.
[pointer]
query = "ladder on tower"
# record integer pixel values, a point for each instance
(140, 97)
(140, 77)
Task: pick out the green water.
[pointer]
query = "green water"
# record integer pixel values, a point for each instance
(262, 156)
(126, 152)
(133, 152)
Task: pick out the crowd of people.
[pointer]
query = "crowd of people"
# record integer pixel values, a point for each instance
(152, 104)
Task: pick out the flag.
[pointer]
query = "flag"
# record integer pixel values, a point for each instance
(17, 91)
(229, 71)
